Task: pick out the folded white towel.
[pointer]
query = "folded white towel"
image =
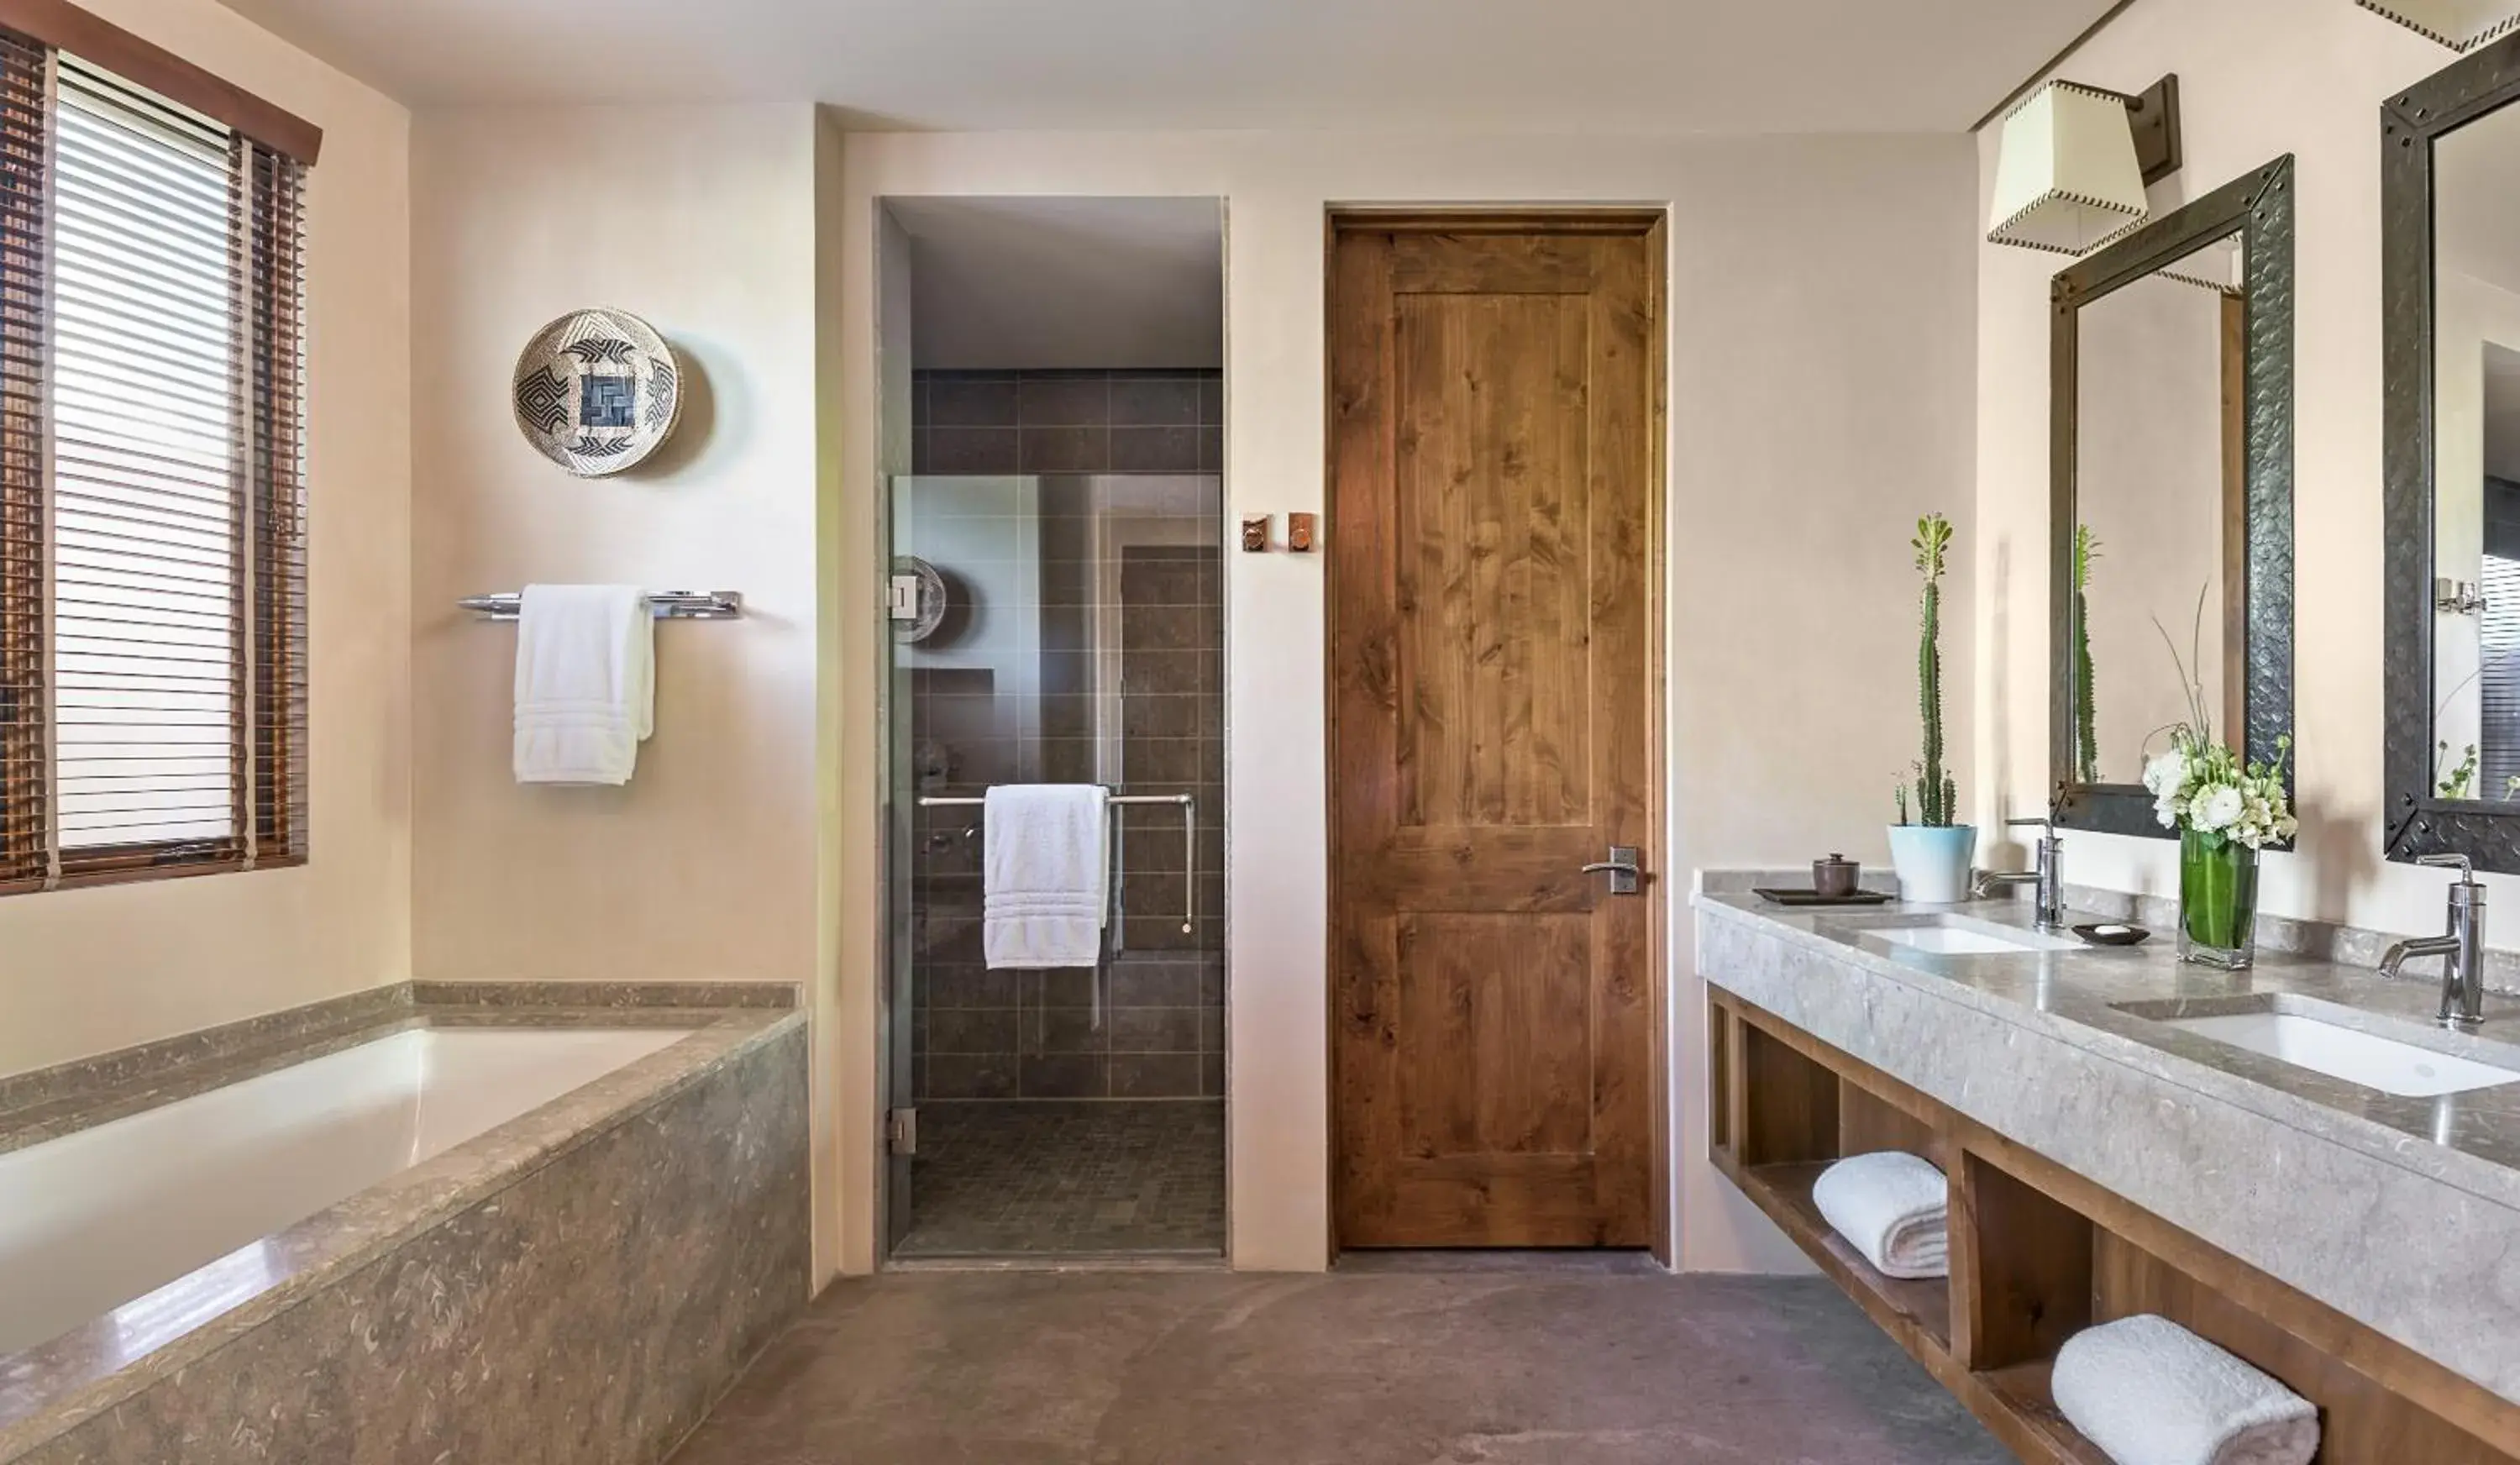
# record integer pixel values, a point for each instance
(2149, 1392)
(1892, 1207)
(586, 683)
(1046, 883)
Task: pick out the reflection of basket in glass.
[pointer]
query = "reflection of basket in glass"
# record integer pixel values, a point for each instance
(918, 590)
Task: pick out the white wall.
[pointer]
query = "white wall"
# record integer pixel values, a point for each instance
(88, 970)
(707, 866)
(2257, 78)
(1820, 401)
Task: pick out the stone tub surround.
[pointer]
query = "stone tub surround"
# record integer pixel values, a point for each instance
(578, 1284)
(47, 1102)
(2402, 1213)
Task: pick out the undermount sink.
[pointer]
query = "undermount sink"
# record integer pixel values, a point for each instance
(2393, 1067)
(1960, 936)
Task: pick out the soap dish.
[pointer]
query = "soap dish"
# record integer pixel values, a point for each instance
(2113, 933)
(1815, 898)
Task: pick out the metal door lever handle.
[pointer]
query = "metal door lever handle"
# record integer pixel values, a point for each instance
(1625, 877)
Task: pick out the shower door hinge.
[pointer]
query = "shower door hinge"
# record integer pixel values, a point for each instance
(901, 1131)
(902, 596)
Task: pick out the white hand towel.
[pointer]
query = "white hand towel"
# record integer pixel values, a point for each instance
(586, 683)
(2149, 1392)
(1046, 883)
(1892, 1207)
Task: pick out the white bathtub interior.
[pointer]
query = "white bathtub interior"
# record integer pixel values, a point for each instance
(156, 1217)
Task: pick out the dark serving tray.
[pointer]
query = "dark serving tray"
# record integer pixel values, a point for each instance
(2130, 934)
(1815, 898)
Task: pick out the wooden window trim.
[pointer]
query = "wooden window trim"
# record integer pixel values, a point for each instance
(266, 598)
(67, 27)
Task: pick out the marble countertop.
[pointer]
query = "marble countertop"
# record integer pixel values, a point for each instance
(2082, 998)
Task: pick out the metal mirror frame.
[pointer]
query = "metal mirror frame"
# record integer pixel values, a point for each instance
(2417, 822)
(2257, 206)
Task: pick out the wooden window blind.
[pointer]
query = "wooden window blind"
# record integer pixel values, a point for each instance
(2498, 676)
(153, 597)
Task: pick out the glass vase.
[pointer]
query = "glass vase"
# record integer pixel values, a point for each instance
(2218, 901)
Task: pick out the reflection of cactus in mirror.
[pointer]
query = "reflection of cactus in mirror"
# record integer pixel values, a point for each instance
(2460, 781)
(2087, 737)
(1937, 791)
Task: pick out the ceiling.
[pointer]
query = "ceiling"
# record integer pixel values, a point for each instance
(1001, 284)
(1495, 66)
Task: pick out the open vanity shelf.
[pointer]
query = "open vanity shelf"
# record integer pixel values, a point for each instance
(2038, 1253)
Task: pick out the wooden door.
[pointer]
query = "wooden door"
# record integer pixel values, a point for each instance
(1495, 488)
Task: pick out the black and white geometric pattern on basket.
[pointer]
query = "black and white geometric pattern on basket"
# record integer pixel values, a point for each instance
(596, 391)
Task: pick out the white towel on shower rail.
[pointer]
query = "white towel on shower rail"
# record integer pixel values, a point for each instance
(1046, 884)
(586, 683)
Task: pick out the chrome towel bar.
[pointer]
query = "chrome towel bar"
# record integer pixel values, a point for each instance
(663, 605)
(1189, 837)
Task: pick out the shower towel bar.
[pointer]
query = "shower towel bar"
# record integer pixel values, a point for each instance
(663, 605)
(1189, 837)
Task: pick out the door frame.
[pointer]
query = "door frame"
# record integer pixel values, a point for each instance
(1654, 224)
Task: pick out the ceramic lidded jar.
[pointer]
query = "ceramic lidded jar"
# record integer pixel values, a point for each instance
(1835, 877)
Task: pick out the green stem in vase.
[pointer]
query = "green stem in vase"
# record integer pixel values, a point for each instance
(2217, 892)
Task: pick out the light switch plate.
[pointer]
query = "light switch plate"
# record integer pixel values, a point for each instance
(1255, 533)
(1299, 533)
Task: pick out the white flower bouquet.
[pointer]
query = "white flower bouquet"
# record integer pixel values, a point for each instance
(2225, 810)
(2204, 788)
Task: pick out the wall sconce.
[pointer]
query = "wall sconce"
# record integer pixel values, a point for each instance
(2072, 164)
(2458, 597)
(2460, 25)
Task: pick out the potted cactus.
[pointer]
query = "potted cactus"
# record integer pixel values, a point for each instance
(1929, 851)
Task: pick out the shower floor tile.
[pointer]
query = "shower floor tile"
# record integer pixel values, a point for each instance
(1035, 1177)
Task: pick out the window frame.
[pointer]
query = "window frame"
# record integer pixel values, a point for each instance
(270, 153)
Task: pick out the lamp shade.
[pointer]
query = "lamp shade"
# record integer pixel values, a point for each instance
(2065, 173)
(2460, 25)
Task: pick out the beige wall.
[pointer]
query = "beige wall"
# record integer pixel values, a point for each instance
(2148, 478)
(1821, 336)
(2469, 316)
(706, 865)
(84, 971)
(2257, 78)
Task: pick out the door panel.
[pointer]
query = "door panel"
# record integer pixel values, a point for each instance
(1493, 487)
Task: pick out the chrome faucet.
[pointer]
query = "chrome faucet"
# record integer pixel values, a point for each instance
(2049, 877)
(2462, 949)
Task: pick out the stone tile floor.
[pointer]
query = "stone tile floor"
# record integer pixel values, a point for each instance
(1479, 1367)
(1036, 1177)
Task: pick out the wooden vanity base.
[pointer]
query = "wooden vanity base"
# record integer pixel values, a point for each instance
(2039, 1253)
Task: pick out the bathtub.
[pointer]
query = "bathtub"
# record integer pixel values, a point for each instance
(158, 1220)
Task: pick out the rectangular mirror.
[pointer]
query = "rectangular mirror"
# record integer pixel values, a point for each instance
(2451, 257)
(2172, 497)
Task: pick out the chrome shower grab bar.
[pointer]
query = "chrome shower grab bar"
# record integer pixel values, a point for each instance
(1189, 837)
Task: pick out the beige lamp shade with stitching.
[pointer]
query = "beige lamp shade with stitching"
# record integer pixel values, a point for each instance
(2065, 172)
(2460, 25)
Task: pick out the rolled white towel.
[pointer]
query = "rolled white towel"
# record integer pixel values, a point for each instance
(1892, 1207)
(2149, 1392)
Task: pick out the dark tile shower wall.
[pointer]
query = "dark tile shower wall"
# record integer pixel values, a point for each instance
(1119, 580)
(1067, 421)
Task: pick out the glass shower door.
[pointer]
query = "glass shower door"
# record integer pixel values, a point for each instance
(1065, 629)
